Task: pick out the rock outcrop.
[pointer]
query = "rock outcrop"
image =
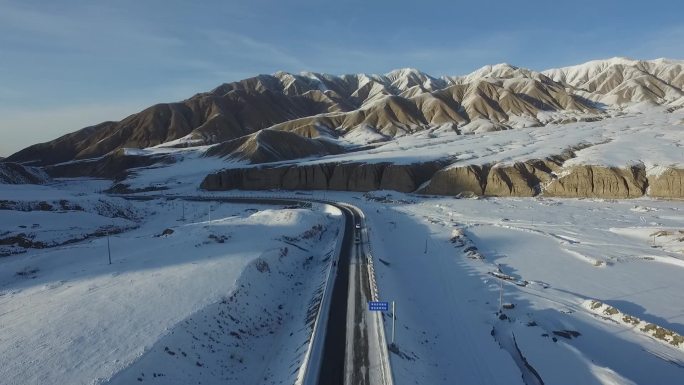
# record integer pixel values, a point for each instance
(668, 184)
(516, 180)
(600, 182)
(325, 176)
(521, 179)
(457, 180)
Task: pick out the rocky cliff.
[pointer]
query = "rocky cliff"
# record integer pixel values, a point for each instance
(325, 176)
(668, 184)
(521, 179)
(601, 182)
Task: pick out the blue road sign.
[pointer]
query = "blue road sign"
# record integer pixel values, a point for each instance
(378, 306)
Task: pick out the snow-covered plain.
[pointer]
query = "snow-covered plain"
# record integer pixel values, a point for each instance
(220, 301)
(568, 252)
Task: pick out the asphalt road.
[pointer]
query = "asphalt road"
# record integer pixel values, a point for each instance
(347, 358)
(334, 352)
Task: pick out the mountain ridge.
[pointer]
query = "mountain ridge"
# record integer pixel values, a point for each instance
(400, 102)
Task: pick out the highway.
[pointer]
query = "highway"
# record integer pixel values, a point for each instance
(355, 350)
(333, 357)
(358, 359)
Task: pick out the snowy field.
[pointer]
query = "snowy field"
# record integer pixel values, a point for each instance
(565, 253)
(220, 301)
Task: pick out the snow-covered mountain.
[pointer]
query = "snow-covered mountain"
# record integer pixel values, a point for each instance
(622, 81)
(409, 131)
(395, 104)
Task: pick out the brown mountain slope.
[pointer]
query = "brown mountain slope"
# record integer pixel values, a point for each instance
(13, 173)
(271, 146)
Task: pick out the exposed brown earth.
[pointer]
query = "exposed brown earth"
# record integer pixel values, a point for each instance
(669, 184)
(522, 179)
(603, 182)
(327, 176)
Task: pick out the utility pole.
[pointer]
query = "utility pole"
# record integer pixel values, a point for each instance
(183, 217)
(394, 317)
(425, 252)
(500, 295)
(109, 250)
(209, 213)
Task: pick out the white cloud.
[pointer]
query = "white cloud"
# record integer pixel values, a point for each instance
(238, 46)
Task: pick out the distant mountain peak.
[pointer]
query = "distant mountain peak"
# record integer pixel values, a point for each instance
(407, 71)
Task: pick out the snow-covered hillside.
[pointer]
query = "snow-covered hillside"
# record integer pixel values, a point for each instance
(619, 81)
(186, 298)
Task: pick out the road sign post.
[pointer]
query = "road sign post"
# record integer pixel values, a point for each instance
(384, 306)
(394, 317)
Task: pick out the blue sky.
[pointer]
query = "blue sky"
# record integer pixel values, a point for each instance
(71, 63)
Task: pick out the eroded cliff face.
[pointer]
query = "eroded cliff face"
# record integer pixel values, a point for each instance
(325, 176)
(522, 179)
(668, 184)
(457, 181)
(600, 182)
(534, 177)
(516, 180)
